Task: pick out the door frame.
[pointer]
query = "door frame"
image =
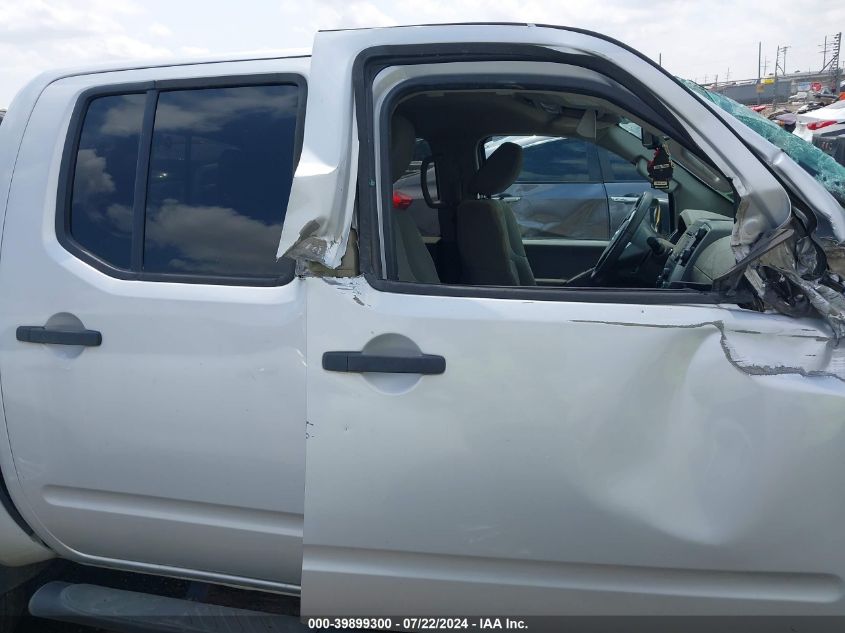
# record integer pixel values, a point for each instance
(373, 165)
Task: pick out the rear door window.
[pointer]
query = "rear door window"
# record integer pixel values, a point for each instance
(552, 159)
(556, 160)
(103, 190)
(559, 194)
(207, 200)
(221, 168)
(621, 170)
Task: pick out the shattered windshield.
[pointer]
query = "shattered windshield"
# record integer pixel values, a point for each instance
(819, 165)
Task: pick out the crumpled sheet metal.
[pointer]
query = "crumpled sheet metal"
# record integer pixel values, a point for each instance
(797, 260)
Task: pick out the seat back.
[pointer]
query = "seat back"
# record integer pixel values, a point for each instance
(413, 261)
(488, 235)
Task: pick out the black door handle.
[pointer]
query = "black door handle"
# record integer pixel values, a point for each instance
(359, 362)
(55, 336)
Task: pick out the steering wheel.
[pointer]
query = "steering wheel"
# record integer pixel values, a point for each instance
(623, 236)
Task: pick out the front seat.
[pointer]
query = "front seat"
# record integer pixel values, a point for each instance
(413, 261)
(488, 236)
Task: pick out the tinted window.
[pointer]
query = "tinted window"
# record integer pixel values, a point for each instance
(104, 177)
(221, 168)
(621, 169)
(555, 160)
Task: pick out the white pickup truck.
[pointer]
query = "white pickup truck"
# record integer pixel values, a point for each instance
(228, 355)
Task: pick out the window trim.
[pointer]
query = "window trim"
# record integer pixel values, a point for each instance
(371, 61)
(637, 296)
(152, 89)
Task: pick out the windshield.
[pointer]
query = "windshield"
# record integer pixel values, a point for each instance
(819, 165)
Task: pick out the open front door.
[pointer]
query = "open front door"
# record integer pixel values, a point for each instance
(527, 451)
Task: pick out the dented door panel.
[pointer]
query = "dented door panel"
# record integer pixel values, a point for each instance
(573, 458)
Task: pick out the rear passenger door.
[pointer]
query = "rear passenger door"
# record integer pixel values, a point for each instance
(161, 427)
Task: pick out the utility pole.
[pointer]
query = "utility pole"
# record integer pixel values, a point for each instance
(728, 75)
(775, 85)
(777, 57)
(782, 67)
(778, 62)
(824, 54)
(759, 56)
(832, 65)
(660, 59)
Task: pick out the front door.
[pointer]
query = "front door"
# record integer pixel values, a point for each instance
(170, 437)
(557, 451)
(574, 457)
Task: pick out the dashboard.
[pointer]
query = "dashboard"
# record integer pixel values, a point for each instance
(702, 250)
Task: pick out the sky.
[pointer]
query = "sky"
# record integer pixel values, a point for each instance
(697, 40)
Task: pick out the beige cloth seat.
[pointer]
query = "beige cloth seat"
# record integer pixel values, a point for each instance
(488, 235)
(413, 261)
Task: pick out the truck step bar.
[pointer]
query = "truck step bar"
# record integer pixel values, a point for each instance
(133, 612)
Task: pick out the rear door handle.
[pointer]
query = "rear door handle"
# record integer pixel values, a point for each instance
(358, 362)
(55, 336)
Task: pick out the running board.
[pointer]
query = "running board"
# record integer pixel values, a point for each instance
(133, 612)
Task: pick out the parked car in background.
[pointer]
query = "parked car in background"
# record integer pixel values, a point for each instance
(786, 121)
(828, 119)
(571, 191)
(832, 143)
(799, 97)
(825, 96)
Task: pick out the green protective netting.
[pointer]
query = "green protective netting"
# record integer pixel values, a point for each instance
(819, 165)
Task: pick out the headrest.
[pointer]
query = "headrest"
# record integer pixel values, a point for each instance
(499, 171)
(402, 140)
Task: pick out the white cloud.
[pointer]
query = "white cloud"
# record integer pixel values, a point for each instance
(192, 51)
(39, 34)
(695, 38)
(160, 30)
(213, 239)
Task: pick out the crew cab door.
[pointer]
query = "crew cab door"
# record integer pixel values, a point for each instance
(152, 348)
(478, 451)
